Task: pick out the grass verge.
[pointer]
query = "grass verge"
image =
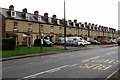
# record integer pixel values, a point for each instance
(26, 50)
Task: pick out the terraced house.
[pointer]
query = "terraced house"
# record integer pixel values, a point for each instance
(27, 27)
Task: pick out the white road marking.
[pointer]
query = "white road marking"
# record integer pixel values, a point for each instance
(111, 75)
(111, 53)
(8, 67)
(43, 72)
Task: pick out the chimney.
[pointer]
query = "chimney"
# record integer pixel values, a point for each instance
(46, 14)
(93, 24)
(24, 10)
(36, 12)
(89, 24)
(85, 23)
(70, 21)
(80, 22)
(96, 25)
(11, 8)
(75, 21)
(54, 16)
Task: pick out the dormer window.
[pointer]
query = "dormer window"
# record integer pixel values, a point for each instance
(27, 16)
(49, 20)
(58, 21)
(68, 23)
(39, 18)
(74, 25)
(79, 25)
(13, 14)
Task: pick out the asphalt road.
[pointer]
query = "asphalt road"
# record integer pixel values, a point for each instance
(92, 64)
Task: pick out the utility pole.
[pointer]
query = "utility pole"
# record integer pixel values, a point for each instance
(64, 28)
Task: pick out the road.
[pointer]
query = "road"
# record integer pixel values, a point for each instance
(92, 64)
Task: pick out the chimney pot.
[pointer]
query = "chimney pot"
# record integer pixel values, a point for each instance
(46, 14)
(75, 21)
(25, 10)
(11, 7)
(36, 12)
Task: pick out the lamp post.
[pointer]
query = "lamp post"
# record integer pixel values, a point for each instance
(41, 41)
(41, 38)
(64, 28)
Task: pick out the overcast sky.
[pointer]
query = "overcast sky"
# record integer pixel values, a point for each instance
(101, 12)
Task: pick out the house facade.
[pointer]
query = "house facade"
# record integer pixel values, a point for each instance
(27, 27)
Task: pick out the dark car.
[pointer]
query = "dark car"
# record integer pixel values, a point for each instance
(95, 42)
(46, 43)
(118, 42)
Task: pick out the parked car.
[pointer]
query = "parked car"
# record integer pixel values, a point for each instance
(113, 41)
(81, 42)
(87, 43)
(95, 42)
(118, 42)
(59, 42)
(105, 42)
(71, 43)
(46, 43)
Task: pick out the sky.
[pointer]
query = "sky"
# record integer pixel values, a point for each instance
(101, 12)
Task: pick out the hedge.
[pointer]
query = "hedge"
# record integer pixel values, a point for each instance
(8, 44)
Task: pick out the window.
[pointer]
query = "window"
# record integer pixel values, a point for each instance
(15, 26)
(27, 16)
(68, 24)
(76, 31)
(60, 30)
(30, 27)
(39, 18)
(51, 29)
(58, 21)
(13, 14)
(70, 31)
(41, 29)
(74, 25)
(49, 20)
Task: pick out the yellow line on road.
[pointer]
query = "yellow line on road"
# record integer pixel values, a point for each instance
(27, 77)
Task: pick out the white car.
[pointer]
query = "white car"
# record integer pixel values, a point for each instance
(87, 43)
(81, 42)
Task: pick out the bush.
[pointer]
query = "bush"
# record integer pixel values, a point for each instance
(8, 44)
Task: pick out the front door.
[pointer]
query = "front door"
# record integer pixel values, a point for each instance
(24, 42)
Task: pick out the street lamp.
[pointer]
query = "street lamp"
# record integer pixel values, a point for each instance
(64, 28)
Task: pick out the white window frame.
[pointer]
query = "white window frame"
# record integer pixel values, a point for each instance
(70, 31)
(76, 31)
(27, 16)
(49, 20)
(68, 23)
(15, 26)
(74, 24)
(12, 14)
(41, 29)
(58, 21)
(30, 27)
(60, 30)
(51, 29)
(39, 18)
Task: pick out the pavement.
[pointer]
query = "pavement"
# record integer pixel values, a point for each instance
(57, 58)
